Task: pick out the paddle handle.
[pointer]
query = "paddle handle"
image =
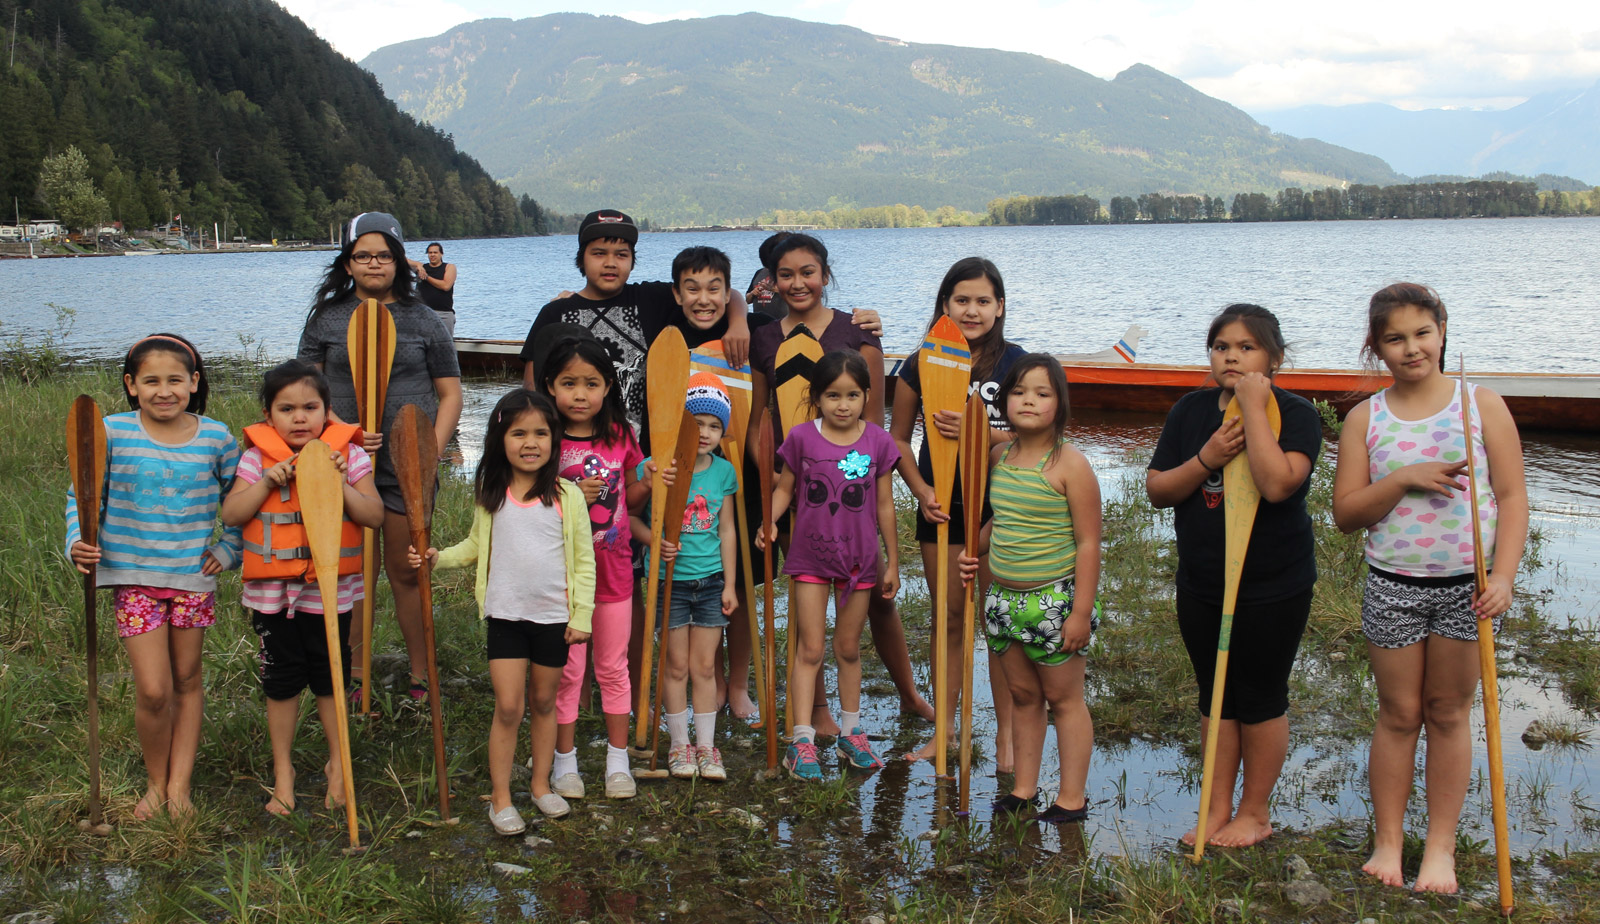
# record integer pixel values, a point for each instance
(661, 669)
(941, 649)
(441, 769)
(1209, 765)
(763, 454)
(658, 519)
(92, 644)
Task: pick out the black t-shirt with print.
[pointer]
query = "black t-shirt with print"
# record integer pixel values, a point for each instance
(1281, 560)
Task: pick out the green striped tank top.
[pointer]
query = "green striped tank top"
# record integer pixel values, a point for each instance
(1032, 541)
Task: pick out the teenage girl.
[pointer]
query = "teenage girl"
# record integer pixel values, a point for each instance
(1247, 348)
(838, 469)
(1044, 552)
(280, 590)
(167, 469)
(536, 603)
(599, 453)
(1402, 477)
(372, 264)
(972, 295)
(801, 274)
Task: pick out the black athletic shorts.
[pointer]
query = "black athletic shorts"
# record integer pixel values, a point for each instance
(545, 644)
(1262, 648)
(294, 653)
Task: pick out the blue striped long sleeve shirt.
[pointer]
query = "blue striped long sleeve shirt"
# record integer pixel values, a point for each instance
(161, 506)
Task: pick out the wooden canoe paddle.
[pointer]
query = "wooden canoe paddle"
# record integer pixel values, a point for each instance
(684, 456)
(974, 481)
(370, 342)
(797, 354)
(415, 451)
(764, 458)
(945, 365)
(86, 459)
(1487, 666)
(666, 390)
(1240, 498)
(708, 357)
(321, 488)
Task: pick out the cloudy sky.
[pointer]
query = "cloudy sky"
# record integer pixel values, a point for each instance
(1260, 56)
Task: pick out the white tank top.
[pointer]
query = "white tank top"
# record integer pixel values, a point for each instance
(1428, 534)
(525, 538)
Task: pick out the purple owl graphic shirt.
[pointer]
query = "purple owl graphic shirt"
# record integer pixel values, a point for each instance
(587, 457)
(835, 531)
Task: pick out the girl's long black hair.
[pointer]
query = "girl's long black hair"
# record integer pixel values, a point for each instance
(611, 421)
(339, 286)
(987, 349)
(494, 469)
(178, 346)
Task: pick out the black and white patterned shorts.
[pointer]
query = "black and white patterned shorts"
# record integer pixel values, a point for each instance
(1397, 611)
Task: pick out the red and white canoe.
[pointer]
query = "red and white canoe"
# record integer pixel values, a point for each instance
(1112, 379)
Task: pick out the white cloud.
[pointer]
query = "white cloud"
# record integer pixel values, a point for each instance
(1256, 55)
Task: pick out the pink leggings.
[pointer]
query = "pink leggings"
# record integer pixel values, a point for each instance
(613, 623)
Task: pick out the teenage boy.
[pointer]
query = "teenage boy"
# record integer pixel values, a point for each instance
(624, 316)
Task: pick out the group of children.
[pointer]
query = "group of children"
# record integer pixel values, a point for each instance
(563, 465)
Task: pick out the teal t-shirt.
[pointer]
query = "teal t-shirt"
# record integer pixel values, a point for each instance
(700, 550)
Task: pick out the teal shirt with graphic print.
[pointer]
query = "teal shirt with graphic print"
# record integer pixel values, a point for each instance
(700, 548)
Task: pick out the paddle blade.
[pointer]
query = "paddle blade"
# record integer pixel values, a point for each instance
(1241, 498)
(797, 354)
(415, 452)
(666, 387)
(708, 357)
(684, 456)
(764, 458)
(974, 467)
(370, 340)
(86, 460)
(945, 366)
(321, 489)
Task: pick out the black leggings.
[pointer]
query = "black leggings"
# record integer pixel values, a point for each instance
(1262, 646)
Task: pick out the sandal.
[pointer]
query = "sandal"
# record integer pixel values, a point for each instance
(1055, 814)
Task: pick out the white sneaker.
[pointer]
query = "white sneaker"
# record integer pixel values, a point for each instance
(681, 762)
(709, 761)
(568, 786)
(552, 805)
(619, 785)
(507, 821)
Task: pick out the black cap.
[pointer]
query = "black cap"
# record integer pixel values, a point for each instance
(607, 223)
(368, 222)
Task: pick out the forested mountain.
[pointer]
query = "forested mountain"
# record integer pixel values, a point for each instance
(1552, 133)
(228, 111)
(729, 117)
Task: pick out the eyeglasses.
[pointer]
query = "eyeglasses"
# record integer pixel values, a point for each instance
(384, 259)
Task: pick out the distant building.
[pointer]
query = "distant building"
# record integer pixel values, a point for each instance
(10, 233)
(44, 228)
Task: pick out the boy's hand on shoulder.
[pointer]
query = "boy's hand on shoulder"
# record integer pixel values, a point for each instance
(868, 320)
(736, 347)
(575, 637)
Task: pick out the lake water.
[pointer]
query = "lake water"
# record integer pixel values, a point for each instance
(1522, 293)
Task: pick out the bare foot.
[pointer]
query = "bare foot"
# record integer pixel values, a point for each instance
(150, 805)
(282, 801)
(1217, 822)
(1384, 866)
(180, 806)
(1437, 874)
(335, 797)
(917, 706)
(740, 704)
(1004, 762)
(927, 751)
(1242, 831)
(826, 725)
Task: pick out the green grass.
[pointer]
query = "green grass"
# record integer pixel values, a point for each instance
(806, 858)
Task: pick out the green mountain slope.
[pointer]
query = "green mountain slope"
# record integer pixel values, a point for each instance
(227, 111)
(724, 118)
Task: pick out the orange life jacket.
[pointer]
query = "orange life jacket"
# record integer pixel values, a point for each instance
(275, 539)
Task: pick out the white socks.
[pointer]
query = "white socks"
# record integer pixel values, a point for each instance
(705, 729)
(849, 721)
(564, 764)
(678, 727)
(616, 760)
(805, 733)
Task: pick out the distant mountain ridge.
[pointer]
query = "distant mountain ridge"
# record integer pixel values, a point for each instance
(725, 118)
(1554, 133)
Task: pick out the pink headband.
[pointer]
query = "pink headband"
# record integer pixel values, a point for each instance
(186, 348)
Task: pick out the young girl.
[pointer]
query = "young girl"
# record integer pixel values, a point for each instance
(372, 264)
(536, 603)
(1044, 552)
(1402, 476)
(167, 469)
(802, 275)
(1279, 568)
(599, 453)
(280, 590)
(838, 468)
(973, 295)
(703, 582)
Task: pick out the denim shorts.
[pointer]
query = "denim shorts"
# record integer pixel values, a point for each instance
(696, 602)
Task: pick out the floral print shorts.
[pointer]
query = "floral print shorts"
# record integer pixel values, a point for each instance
(1033, 619)
(143, 609)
